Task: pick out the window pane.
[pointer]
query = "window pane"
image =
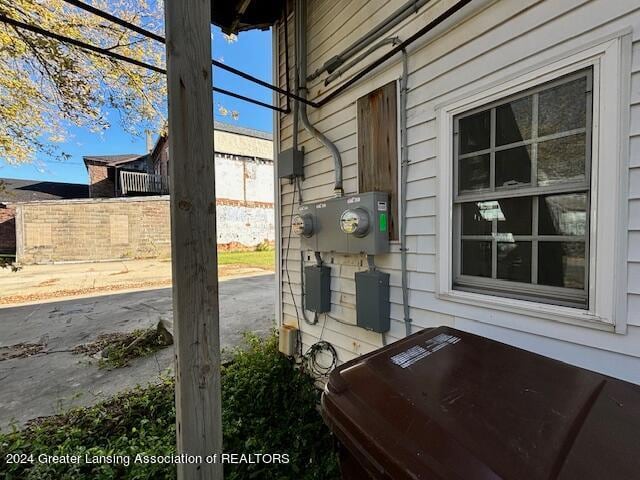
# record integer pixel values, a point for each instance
(563, 108)
(561, 264)
(513, 121)
(476, 258)
(513, 167)
(514, 261)
(475, 220)
(562, 214)
(515, 216)
(475, 131)
(562, 159)
(474, 172)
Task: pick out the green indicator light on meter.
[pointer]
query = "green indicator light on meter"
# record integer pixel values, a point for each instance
(383, 222)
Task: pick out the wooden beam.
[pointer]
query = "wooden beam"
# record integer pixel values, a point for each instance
(193, 235)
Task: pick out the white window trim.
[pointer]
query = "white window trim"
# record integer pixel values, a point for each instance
(611, 64)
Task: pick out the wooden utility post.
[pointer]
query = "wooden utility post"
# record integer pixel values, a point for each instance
(193, 235)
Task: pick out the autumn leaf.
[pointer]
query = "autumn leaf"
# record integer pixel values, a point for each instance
(46, 85)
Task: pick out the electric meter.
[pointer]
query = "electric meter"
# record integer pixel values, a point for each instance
(302, 225)
(355, 221)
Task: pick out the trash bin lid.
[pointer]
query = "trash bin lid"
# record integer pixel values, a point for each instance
(447, 404)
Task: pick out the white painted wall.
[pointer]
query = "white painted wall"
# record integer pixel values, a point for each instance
(496, 40)
(246, 225)
(245, 179)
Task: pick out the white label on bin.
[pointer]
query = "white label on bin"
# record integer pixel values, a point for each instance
(418, 352)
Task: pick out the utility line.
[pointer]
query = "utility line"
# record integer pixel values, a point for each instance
(78, 43)
(123, 23)
(122, 58)
(158, 38)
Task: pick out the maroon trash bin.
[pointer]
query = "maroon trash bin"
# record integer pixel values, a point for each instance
(445, 404)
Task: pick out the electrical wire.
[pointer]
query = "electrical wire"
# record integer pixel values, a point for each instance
(119, 21)
(343, 87)
(340, 321)
(312, 364)
(216, 63)
(286, 258)
(79, 44)
(116, 56)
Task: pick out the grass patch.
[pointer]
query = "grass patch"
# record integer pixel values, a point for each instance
(268, 406)
(262, 259)
(120, 348)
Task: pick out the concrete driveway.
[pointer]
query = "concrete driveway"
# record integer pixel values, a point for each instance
(49, 383)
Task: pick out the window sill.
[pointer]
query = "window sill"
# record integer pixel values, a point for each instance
(573, 316)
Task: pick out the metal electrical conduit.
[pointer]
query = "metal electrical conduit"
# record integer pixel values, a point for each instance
(345, 68)
(403, 127)
(301, 75)
(301, 67)
(378, 31)
(404, 175)
(313, 103)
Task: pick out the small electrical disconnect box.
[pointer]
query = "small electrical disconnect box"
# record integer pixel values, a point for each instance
(317, 288)
(291, 163)
(372, 301)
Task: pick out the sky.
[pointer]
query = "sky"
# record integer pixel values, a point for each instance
(251, 53)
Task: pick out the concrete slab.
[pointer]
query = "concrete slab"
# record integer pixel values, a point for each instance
(46, 384)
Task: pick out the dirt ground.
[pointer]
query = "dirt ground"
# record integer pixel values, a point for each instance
(35, 283)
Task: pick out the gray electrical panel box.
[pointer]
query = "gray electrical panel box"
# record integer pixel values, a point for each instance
(351, 224)
(317, 288)
(291, 163)
(372, 301)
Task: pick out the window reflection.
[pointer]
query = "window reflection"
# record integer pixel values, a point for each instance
(475, 132)
(514, 261)
(563, 214)
(474, 172)
(561, 264)
(513, 121)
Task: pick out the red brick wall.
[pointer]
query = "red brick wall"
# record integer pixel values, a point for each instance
(100, 185)
(7, 230)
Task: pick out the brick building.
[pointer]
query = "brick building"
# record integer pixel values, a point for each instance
(13, 191)
(105, 172)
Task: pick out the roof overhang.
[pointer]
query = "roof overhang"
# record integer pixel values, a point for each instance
(234, 16)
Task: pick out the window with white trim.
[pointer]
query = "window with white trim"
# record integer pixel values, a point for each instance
(521, 194)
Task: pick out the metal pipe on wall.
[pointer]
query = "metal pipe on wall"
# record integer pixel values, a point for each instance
(338, 73)
(404, 174)
(379, 30)
(301, 67)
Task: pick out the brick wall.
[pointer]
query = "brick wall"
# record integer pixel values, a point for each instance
(119, 228)
(100, 185)
(7, 230)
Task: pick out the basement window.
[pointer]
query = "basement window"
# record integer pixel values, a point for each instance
(521, 185)
(378, 147)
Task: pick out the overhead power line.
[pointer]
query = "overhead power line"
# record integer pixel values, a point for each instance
(158, 38)
(122, 58)
(79, 44)
(117, 20)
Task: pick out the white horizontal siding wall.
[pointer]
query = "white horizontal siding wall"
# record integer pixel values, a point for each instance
(495, 40)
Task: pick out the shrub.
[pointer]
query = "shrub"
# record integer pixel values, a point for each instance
(264, 246)
(271, 406)
(268, 406)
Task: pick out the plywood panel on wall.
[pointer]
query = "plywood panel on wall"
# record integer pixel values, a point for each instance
(378, 147)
